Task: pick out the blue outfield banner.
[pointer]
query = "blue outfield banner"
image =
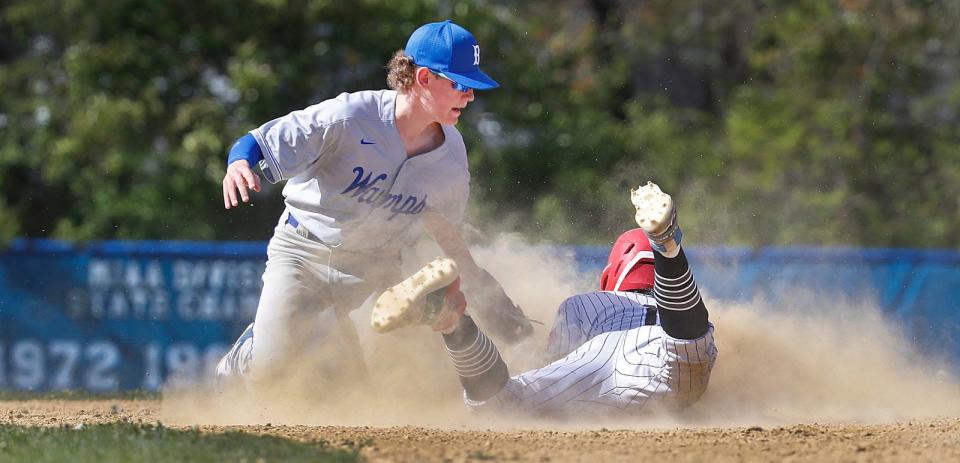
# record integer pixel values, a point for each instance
(107, 316)
(115, 315)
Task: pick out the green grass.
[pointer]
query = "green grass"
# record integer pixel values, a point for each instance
(127, 442)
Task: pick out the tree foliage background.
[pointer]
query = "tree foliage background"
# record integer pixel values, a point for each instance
(805, 122)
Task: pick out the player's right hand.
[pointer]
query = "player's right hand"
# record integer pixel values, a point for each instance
(240, 178)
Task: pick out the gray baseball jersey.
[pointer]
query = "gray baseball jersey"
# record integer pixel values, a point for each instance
(349, 180)
(350, 185)
(615, 356)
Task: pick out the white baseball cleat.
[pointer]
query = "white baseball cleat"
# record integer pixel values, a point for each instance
(429, 297)
(657, 216)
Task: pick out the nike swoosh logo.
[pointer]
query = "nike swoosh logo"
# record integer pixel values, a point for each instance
(364, 141)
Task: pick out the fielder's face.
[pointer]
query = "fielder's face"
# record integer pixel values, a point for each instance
(441, 97)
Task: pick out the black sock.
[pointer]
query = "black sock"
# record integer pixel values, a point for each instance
(682, 312)
(481, 370)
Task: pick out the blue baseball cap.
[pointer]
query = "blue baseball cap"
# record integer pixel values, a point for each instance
(451, 51)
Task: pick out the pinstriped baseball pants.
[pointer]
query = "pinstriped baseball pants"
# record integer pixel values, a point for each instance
(627, 370)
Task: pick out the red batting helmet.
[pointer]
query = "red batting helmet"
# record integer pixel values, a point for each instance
(630, 265)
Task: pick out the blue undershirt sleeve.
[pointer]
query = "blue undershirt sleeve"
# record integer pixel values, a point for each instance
(247, 148)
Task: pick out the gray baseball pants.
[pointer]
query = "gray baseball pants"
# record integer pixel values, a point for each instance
(302, 318)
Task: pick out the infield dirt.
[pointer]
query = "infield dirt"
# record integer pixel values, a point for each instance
(913, 440)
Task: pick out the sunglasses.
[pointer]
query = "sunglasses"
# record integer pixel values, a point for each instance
(456, 86)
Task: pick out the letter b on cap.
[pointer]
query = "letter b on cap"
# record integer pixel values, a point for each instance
(476, 55)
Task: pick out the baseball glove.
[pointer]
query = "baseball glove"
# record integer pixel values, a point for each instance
(495, 312)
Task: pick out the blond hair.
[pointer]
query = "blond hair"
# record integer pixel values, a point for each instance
(401, 71)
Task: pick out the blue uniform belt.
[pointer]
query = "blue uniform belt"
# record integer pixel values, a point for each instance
(293, 221)
(302, 232)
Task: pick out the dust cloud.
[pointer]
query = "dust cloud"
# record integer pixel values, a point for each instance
(820, 361)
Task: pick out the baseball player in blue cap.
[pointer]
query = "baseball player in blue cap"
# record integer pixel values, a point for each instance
(643, 341)
(365, 174)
